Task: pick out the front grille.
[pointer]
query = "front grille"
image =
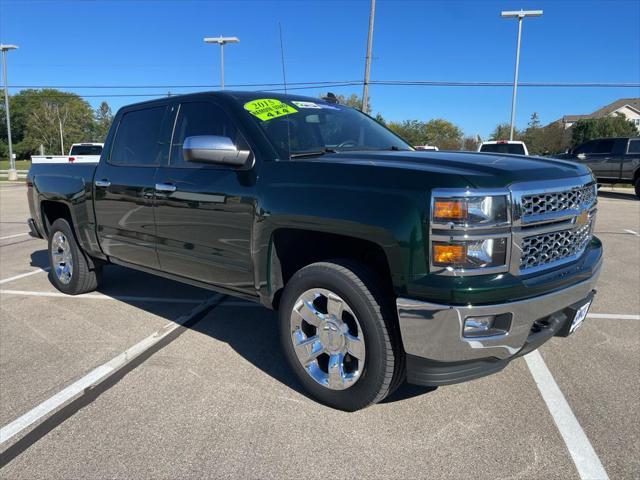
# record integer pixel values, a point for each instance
(578, 198)
(547, 248)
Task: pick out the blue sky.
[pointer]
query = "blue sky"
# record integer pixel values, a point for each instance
(147, 42)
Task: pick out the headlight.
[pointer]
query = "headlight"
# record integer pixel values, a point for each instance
(470, 231)
(469, 254)
(481, 210)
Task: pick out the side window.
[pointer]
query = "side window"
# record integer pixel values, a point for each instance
(634, 146)
(142, 138)
(585, 148)
(604, 146)
(201, 118)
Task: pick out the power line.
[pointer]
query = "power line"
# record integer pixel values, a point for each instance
(310, 84)
(425, 83)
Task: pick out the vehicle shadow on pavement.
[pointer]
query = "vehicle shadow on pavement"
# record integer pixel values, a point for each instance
(40, 259)
(616, 195)
(251, 331)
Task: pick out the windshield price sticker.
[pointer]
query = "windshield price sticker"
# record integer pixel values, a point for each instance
(268, 108)
(305, 104)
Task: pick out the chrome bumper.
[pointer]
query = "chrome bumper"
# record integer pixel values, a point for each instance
(434, 331)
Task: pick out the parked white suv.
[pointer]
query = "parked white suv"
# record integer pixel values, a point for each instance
(513, 147)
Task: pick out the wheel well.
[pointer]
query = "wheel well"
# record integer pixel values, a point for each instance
(294, 249)
(51, 211)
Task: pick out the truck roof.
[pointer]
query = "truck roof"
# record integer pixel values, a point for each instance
(236, 95)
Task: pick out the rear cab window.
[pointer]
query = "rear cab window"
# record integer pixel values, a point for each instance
(509, 148)
(142, 138)
(86, 150)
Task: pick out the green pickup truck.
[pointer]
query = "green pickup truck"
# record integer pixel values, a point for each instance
(384, 264)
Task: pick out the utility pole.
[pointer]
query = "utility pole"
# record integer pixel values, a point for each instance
(367, 58)
(13, 174)
(520, 16)
(222, 41)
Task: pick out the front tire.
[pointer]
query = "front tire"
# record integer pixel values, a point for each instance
(339, 334)
(637, 186)
(70, 271)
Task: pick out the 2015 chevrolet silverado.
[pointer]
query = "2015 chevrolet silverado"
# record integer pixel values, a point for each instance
(384, 263)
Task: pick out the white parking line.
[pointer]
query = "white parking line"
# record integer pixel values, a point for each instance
(614, 316)
(584, 456)
(99, 374)
(632, 232)
(14, 236)
(99, 296)
(22, 275)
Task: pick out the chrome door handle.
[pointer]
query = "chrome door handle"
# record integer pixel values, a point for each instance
(102, 183)
(165, 187)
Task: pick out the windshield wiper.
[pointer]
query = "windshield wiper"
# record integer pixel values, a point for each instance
(312, 154)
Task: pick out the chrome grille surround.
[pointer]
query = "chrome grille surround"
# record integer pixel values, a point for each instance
(576, 198)
(548, 248)
(553, 222)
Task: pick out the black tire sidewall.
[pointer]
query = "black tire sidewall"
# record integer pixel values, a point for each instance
(378, 351)
(72, 287)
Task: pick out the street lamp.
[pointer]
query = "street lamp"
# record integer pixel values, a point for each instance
(519, 14)
(367, 58)
(222, 41)
(13, 174)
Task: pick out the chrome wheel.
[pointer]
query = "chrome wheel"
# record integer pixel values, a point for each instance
(327, 338)
(61, 257)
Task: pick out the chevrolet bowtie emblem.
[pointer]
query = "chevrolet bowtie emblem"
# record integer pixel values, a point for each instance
(583, 218)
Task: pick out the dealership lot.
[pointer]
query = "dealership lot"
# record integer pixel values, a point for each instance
(214, 398)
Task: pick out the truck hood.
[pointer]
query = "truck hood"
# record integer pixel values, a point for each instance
(483, 170)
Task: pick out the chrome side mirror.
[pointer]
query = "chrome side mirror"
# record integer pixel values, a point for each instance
(213, 149)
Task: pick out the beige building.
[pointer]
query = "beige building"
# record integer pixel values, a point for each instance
(629, 107)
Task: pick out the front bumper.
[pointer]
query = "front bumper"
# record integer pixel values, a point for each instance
(438, 354)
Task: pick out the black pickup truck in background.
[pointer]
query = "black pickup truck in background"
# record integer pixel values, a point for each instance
(612, 160)
(384, 263)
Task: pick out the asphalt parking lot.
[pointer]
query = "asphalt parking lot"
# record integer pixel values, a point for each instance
(213, 398)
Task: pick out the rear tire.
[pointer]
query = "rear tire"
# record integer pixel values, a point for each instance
(637, 185)
(361, 342)
(70, 271)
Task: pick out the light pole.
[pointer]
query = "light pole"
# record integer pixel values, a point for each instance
(13, 174)
(222, 41)
(367, 58)
(519, 14)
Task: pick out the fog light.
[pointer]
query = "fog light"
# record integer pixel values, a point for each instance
(487, 325)
(478, 326)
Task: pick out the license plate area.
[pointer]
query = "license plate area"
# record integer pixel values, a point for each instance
(579, 317)
(575, 316)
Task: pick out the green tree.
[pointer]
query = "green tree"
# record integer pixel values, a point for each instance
(502, 131)
(102, 121)
(37, 116)
(441, 133)
(534, 136)
(412, 131)
(470, 144)
(614, 126)
(352, 100)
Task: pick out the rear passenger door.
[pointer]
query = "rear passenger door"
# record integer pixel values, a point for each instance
(204, 212)
(125, 185)
(596, 154)
(631, 161)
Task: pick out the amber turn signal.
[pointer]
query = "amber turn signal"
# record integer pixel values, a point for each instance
(447, 254)
(450, 210)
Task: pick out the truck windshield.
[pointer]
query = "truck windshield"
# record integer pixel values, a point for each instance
(511, 148)
(304, 128)
(86, 150)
